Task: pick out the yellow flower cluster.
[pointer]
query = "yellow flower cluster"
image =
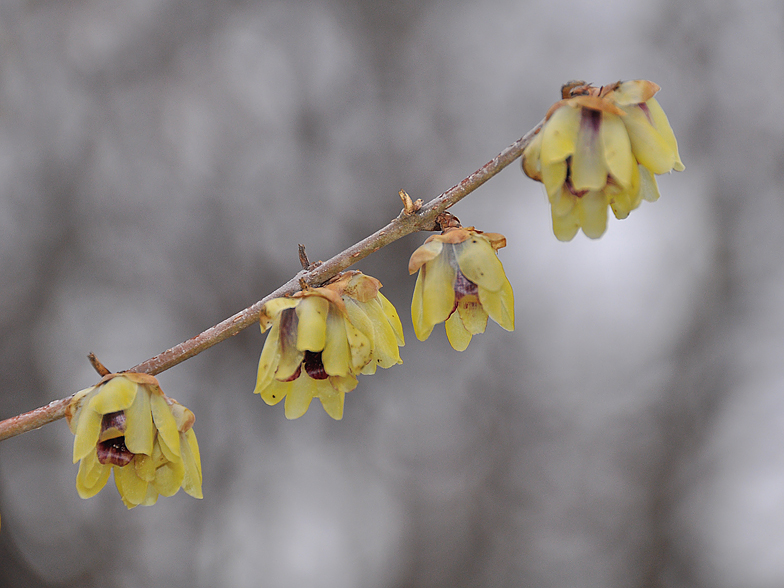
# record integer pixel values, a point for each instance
(461, 281)
(320, 339)
(127, 425)
(600, 147)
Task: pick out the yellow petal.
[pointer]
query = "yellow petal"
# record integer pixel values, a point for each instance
(332, 400)
(299, 397)
(273, 308)
(438, 290)
(191, 461)
(499, 305)
(472, 315)
(458, 336)
(88, 430)
(165, 423)
(385, 352)
(92, 476)
(589, 170)
(358, 318)
(532, 162)
(565, 226)
(665, 130)
(617, 149)
(312, 325)
(130, 486)
(74, 409)
(392, 317)
(275, 391)
(562, 202)
(169, 477)
(290, 357)
(151, 497)
(624, 201)
(648, 146)
(649, 189)
(478, 262)
(139, 430)
(421, 330)
(116, 394)
(633, 92)
(270, 357)
(554, 176)
(592, 209)
(559, 135)
(424, 253)
(336, 356)
(145, 467)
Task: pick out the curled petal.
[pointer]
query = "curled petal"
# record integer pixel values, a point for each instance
(421, 329)
(423, 254)
(290, 357)
(385, 352)
(273, 308)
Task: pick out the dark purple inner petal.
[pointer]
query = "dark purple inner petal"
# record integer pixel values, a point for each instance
(113, 420)
(314, 366)
(114, 452)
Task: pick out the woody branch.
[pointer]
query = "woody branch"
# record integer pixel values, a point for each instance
(409, 221)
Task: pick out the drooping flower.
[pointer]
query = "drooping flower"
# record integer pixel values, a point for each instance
(127, 425)
(600, 147)
(461, 281)
(321, 339)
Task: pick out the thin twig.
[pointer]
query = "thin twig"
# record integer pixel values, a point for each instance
(422, 220)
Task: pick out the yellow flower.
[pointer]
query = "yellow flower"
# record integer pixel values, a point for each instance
(320, 339)
(461, 281)
(600, 147)
(126, 424)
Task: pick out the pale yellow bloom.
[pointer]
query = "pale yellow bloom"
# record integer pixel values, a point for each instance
(321, 339)
(127, 425)
(600, 147)
(461, 281)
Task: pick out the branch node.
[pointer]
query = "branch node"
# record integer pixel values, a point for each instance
(97, 365)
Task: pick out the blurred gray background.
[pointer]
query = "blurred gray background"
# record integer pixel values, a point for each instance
(161, 159)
